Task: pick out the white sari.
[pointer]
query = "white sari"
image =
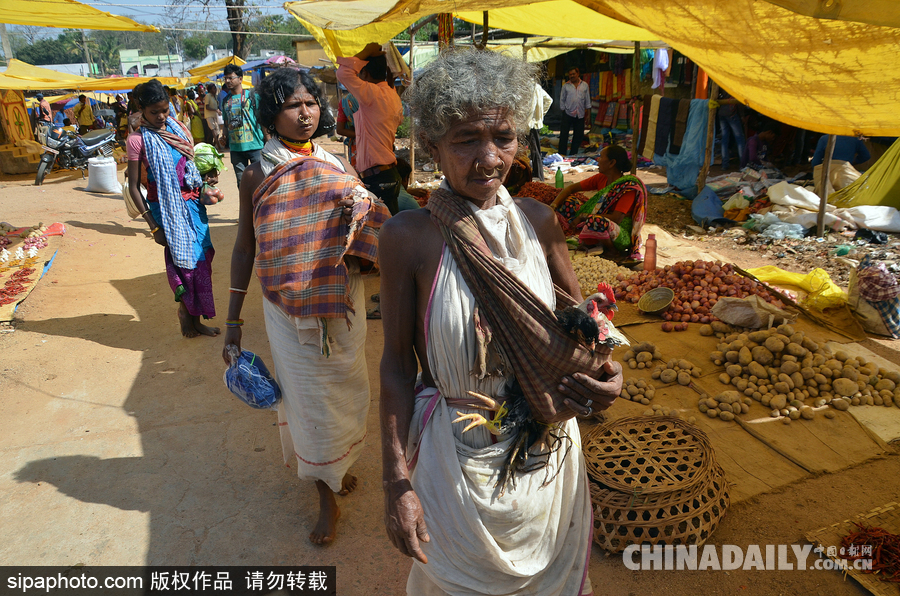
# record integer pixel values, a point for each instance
(534, 539)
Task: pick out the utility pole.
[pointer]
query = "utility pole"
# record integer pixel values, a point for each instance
(7, 50)
(87, 53)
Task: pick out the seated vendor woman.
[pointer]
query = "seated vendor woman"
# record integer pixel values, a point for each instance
(613, 217)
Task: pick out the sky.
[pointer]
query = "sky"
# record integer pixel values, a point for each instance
(154, 12)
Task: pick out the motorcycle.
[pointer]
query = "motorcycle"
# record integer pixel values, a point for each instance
(72, 152)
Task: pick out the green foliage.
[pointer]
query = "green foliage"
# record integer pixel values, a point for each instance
(403, 129)
(195, 46)
(65, 49)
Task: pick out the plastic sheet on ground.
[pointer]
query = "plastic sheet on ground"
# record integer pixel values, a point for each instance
(822, 293)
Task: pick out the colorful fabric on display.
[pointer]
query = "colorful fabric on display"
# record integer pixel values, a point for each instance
(681, 116)
(597, 228)
(682, 169)
(645, 121)
(303, 237)
(164, 150)
(668, 108)
(535, 348)
(445, 30)
(650, 145)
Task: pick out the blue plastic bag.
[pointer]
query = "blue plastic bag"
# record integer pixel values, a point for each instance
(249, 379)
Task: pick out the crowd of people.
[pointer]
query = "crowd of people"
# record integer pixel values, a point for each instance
(312, 223)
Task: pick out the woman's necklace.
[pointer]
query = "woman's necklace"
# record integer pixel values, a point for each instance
(301, 147)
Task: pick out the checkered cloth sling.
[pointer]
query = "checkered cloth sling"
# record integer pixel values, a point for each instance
(303, 237)
(532, 344)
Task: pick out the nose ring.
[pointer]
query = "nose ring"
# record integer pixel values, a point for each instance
(301, 119)
(487, 173)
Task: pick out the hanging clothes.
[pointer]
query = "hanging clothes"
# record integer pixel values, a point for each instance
(682, 169)
(660, 66)
(651, 126)
(684, 107)
(665, 123)
(645, 120)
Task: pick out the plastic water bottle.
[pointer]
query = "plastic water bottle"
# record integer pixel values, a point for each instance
(650, 253)
(559, 178)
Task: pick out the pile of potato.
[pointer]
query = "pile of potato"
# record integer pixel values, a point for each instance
(698, 285)
(725, 405)
(658, 410)
(680, 371)
(594, 270)
(638, 391)
(790, 373)
(32, 232)
(641, 355)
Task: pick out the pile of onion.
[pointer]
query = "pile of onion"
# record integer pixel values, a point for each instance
(698, 285)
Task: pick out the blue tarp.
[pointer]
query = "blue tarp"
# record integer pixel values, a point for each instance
(682, 169)
(706, 209)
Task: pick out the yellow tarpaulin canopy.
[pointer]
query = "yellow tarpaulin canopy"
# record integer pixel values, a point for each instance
(874, 12)
(830, 76)
(343, 27)
(216, 67)
(826, 75)
(66, 14)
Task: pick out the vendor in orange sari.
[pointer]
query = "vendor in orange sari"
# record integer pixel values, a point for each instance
(613, 217)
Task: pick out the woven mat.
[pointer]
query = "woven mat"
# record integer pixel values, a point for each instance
(45, 256)
(887, 517)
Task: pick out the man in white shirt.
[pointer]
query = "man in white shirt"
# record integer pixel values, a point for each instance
(575, 101)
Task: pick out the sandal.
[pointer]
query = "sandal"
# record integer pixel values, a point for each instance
(373, 313)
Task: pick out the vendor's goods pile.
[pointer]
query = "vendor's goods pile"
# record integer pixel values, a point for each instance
(794, 377)
(544, 193)
(15, 285)
(698, 285)
(591, 271)
(653, 481)
(641, 391)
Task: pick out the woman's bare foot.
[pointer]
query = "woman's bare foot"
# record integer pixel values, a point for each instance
(203, 329)
(187, 322)
(329, 512)
(348, 484)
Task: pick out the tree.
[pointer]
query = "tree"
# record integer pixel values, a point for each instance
(195, 46)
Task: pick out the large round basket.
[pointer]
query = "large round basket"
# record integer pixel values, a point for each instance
(672, 491)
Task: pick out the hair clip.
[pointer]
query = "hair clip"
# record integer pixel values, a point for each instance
(279, 95)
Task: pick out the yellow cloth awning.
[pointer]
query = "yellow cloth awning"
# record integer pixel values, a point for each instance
(66, 14)
(873, 12)
(830, 76)
(344, 27)
(217, 66)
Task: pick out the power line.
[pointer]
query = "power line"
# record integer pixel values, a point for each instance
(230, 32)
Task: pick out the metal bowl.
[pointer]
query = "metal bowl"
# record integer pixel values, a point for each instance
(656, 300)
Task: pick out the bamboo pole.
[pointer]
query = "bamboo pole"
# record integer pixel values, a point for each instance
(710, 137)
(412, 125)
(635, 114)
(823, 201)
(484, 32)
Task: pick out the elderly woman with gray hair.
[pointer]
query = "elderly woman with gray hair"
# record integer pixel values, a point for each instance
(488, 495)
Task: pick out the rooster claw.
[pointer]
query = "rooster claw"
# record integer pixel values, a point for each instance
(477, 420)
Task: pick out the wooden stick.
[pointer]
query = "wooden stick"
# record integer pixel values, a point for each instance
(635, 118)
(412, 126)
(710, 137)
(826, 175)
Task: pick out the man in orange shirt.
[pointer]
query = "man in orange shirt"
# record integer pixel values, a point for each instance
(366, 77)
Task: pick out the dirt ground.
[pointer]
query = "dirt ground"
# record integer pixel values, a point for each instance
(119, 443)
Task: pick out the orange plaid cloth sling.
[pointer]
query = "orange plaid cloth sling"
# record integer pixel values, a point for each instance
(303, 238)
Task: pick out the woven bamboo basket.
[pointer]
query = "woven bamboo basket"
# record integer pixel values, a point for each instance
(654, 480)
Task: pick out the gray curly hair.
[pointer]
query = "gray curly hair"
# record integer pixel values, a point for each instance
(466, 81)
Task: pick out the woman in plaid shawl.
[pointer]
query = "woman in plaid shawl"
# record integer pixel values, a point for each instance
(309, 228)
(614, 215)
(161, 155)
(443, 504)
